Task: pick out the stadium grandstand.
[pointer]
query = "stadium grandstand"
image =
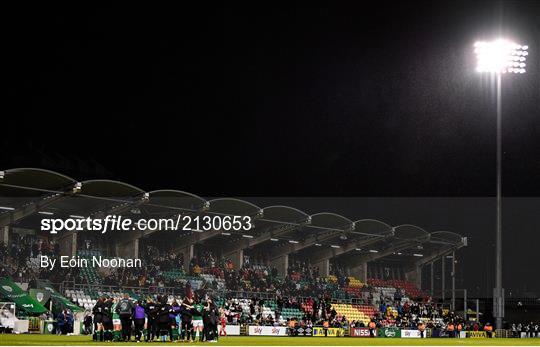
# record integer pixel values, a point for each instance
(287, 267)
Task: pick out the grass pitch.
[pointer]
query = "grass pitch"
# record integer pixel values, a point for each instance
(55, 340)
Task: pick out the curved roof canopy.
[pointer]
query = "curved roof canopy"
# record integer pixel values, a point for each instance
(110, 189)
(332, 221)
(274, 226)
(31, 182)
(175, 199)
(285, 214)
(232, 206)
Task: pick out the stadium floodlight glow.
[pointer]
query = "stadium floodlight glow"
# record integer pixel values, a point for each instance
(293, 241)
(247, 236)
(226, 234)
(358, 249)
(335, 246)
(500, 56)
(274, 240)
(2, 175)
(399, 253)
(7, 208)
(46, 213)
(373, 251)
(417, 255)
(318, 245)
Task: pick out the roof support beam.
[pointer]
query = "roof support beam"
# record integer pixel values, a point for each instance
(332, 252)
(293, 247)
(440, 253)
(400, 246)
(266, 236)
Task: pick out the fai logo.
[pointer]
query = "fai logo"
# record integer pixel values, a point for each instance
(39, 296)
(7, 288)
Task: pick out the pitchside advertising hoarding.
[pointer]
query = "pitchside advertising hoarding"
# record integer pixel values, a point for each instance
(389, 332)
(303, 331)
(232, 330)
(267, 331)
(410, 334)
(330, 332)
(361, 332)
(477, 334)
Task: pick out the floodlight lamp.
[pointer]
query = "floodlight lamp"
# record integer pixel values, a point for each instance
(145, 197)
(77, 187)
(498, 56)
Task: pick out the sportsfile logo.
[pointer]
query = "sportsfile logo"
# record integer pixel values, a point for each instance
(120, 223)
(110, 222)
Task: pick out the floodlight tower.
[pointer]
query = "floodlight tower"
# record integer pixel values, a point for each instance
(499, 57)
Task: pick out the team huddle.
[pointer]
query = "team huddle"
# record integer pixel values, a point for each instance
(184, 321)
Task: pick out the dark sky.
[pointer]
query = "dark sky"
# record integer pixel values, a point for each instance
(313, 99)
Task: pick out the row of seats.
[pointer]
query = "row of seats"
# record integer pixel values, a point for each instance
(90, 273)
(354, 282)
(352, 312)
(411, 290)
(81, 298)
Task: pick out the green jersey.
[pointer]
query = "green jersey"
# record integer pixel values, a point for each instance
(199, 308)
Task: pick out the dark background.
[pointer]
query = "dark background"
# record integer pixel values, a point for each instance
(300, 99)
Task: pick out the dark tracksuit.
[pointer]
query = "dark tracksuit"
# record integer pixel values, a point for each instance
(187, 322)
(210, 321)
(97, 311)
(163, 320)
(151, 310)
(124, 308)
(108, 320)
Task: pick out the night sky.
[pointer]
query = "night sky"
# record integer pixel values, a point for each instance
(341, 99)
